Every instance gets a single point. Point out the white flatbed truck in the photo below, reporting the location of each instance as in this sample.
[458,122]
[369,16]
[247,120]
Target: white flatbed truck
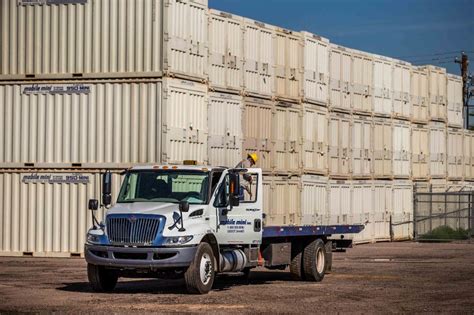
[196,222]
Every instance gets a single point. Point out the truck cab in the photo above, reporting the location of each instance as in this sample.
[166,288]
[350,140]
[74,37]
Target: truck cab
[194,222]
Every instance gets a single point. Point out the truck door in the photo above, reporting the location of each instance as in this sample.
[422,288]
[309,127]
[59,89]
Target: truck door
[240,224]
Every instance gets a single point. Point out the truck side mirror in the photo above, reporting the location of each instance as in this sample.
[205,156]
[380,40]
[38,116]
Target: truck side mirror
[107,188]
[93,204]
[183,206]
[234,190]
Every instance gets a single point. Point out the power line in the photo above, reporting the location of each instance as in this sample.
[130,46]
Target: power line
[434,59]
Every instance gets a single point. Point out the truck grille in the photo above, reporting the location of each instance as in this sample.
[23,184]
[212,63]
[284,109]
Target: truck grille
[132,230]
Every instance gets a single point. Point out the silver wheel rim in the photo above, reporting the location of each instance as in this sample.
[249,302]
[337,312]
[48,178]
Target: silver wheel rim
[205,268]
[320,261]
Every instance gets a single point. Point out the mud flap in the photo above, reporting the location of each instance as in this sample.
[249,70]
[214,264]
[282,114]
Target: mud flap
[328,247]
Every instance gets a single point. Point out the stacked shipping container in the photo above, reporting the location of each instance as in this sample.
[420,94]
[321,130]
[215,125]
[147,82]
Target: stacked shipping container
[340,133]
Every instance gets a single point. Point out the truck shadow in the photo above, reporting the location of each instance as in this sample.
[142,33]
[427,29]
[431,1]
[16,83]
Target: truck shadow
[164,286]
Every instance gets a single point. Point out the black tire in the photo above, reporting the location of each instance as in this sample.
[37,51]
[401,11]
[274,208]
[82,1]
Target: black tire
[314,261]
[101,279]
[194,282]
[296,265]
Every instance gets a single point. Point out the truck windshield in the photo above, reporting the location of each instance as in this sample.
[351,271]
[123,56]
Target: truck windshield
[165,186]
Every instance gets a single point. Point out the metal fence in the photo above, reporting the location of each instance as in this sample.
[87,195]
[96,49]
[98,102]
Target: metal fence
[435,212]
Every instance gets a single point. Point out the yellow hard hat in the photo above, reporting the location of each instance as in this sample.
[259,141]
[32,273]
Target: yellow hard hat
[254,157]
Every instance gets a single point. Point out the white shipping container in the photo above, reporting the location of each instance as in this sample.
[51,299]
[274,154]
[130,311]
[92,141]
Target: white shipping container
[361,146]
[401,149]
[382,147]
[455,153]
[437,150]
[419,95]
[454,100]
[286,136]
[437,93]
[362,82]
[184,124]
[226,51]
[340,75]
[362,198]
[420,151]
[288,53]
[315,139]
[284,201]
[382,209]
[315,69]
[80,122]
[383,86]
[468,156]
[225,129]
[104,39]
[402,107]
[402,210]
[44,212]
[257,131]
[339,202]
[259,60]
[314,200]
[339,141]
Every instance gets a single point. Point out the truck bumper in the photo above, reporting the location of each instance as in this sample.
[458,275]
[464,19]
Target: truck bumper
[133,257]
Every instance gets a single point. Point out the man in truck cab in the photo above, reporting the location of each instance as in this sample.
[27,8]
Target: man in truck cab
[246,183]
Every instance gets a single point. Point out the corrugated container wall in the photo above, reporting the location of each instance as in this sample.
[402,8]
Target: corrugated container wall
[315,139]
[361,146]
[454,99]
[257,130]
[362,82]
[225,129]
[382,147]
[100,123]
[339,202]
[315,69]
[286,136]
[44,212]
[383,93]
[184,125]
[382,209]
[420,151]
[437,149]
[402,107]
[226,51]
[314,200]
[437,93]
[468,156]
[340,78]
[284,201]
[288,64]
[259,60]
[401,149]
[104,39]
[402,210]
[455,153]
[339,142]
[419,95]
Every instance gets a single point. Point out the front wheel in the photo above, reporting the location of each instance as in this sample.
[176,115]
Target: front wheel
[101,279]
[199,276]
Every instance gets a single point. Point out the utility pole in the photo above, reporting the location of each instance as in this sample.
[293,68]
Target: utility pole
[464,63]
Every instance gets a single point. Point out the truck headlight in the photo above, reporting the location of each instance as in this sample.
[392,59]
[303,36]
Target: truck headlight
[94,236]
[178,240]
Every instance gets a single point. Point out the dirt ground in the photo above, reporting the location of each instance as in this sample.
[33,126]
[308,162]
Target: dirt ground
[384,277]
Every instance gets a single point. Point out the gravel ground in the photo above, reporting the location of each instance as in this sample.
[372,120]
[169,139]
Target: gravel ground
[374,278]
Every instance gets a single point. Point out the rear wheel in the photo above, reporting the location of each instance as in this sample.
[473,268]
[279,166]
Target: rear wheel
[101,279]
[314,260]
[296,265]
[199,276]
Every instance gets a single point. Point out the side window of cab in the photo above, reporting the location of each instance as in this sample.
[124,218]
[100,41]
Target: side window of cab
[222,197]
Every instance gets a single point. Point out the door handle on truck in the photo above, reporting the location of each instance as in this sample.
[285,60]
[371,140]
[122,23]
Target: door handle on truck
[257,225]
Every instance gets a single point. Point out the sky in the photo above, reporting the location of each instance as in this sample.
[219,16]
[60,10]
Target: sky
[418,31]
